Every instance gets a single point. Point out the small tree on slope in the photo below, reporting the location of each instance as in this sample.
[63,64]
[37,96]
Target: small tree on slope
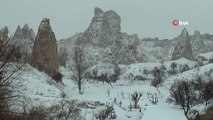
[184,95]
[79,66]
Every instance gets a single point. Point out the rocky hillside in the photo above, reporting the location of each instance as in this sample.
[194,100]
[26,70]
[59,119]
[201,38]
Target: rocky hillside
[104,40]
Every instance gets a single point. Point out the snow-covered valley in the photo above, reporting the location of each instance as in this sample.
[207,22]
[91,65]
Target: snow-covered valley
[39,89]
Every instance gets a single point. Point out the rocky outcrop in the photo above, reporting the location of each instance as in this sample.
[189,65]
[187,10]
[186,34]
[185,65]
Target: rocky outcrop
[103,29]
[104,32]
[23,39]
[45,51]
[24,33]
[183,47]
[197,43]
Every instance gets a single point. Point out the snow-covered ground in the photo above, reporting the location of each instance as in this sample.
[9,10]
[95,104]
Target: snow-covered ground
[39,88]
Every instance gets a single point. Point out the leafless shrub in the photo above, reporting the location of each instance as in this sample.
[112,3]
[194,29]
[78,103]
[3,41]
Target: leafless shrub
[106,113]
[153,98]
[207,91]
[184,68]
[145,72]
[173,68]
[57,77]
[64,111]
[158,77]
[135,98]
[184,95]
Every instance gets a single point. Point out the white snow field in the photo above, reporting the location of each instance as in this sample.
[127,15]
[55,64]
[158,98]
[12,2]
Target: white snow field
[40,89]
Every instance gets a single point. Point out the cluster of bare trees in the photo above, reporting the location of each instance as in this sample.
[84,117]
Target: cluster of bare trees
[187,93]
[107,113]
[80,66]
[184,95]
[10,70]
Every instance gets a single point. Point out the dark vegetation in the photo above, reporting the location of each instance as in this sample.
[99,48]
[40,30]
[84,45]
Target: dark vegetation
[188,93]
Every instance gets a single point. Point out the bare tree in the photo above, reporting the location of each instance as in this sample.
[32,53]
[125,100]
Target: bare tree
[158,75]
[79,67]
[184,95]
[10,70]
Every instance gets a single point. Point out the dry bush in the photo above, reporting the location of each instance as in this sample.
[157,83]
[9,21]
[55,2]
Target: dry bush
[153,98]
[207,91]
[65,110]
[184,95]
[107,113]
[57,77]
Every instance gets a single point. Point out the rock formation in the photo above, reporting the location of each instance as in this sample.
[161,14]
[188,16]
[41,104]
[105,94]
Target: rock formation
[45,52]
[183,47]
[23,39]
[104,31]
[104,28]
[24,33]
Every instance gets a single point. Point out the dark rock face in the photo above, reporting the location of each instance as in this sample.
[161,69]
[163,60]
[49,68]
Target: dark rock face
[183,47]
[45,51]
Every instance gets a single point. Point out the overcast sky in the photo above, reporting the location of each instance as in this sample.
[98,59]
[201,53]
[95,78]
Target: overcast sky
[147,18]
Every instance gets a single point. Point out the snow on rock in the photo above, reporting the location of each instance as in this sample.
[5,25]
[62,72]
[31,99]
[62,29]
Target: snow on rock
[184,46]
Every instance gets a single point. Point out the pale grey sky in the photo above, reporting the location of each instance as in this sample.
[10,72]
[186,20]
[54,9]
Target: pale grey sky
[147,18]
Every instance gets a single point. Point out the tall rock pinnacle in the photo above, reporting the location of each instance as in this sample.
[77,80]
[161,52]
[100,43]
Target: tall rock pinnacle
[45,51]
[183,47]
